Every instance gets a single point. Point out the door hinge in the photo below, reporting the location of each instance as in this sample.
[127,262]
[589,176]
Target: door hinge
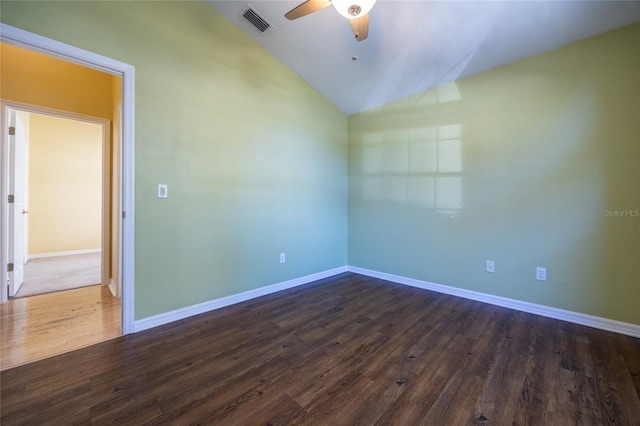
[11,198]
[9,267]
[12,131]
[124,215]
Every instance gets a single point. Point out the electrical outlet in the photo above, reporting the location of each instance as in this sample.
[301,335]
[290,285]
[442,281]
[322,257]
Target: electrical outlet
[283,257]
[491,266]
[541,274]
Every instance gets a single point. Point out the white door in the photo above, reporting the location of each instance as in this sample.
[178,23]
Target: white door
[17,209]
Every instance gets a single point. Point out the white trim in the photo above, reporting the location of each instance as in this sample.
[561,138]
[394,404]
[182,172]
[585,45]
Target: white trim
[59,113]
[127,194]
[62,253]
[532,308]
[25,39]
[38,43]
[4,208]
[105,207]
[114,288]
[178,314]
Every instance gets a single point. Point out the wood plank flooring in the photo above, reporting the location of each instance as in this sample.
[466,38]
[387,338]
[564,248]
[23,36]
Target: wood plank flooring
[349,350]
[38,327]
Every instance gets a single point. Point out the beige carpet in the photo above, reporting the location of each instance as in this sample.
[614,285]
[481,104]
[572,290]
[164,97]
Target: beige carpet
[50,274]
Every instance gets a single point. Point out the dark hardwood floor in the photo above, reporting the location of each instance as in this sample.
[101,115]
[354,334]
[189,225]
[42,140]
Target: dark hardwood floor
[349,350]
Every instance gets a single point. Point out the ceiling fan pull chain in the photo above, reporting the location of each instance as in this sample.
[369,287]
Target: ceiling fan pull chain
[355,50]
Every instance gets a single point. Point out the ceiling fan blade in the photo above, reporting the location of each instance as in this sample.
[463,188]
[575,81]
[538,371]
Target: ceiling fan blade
[360,27]
[306,8]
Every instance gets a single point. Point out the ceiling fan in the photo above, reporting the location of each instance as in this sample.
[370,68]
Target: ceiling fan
[357,11]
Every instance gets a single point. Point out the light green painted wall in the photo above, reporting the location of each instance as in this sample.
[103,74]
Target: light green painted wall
[255,159]
[519,165]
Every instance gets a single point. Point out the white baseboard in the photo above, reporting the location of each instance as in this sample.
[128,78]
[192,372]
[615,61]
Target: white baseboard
[178,314]
[62,253]
[113,288]
[532,308]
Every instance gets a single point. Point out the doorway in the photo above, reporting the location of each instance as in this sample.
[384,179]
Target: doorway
[58,171]
[59,220]
[123,173]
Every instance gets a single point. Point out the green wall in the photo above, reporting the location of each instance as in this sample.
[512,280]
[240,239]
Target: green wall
[528,165]
[255,159]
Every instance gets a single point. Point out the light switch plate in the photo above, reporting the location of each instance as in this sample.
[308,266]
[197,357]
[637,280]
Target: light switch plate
[162,191]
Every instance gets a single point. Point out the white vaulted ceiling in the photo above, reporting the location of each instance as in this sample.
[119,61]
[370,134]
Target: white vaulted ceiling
[416,45]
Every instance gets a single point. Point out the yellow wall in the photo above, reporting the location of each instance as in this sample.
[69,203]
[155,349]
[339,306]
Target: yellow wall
[38,79]
[65,185]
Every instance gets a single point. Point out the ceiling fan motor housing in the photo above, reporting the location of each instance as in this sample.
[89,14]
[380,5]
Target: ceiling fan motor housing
[357,11]
[354,10]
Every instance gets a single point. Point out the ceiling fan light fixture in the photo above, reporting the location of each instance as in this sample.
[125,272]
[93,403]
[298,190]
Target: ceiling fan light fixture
[353,8]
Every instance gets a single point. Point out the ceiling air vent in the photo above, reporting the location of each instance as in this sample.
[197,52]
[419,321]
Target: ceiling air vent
[258,21]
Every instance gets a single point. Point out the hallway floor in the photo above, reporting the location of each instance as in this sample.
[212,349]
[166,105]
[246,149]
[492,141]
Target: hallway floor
[37,327]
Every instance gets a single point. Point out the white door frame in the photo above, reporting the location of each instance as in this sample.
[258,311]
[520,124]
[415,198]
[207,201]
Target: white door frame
[27,40]
[105,220]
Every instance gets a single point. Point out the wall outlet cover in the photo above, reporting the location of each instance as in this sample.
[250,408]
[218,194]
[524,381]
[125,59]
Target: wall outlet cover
[541,274]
